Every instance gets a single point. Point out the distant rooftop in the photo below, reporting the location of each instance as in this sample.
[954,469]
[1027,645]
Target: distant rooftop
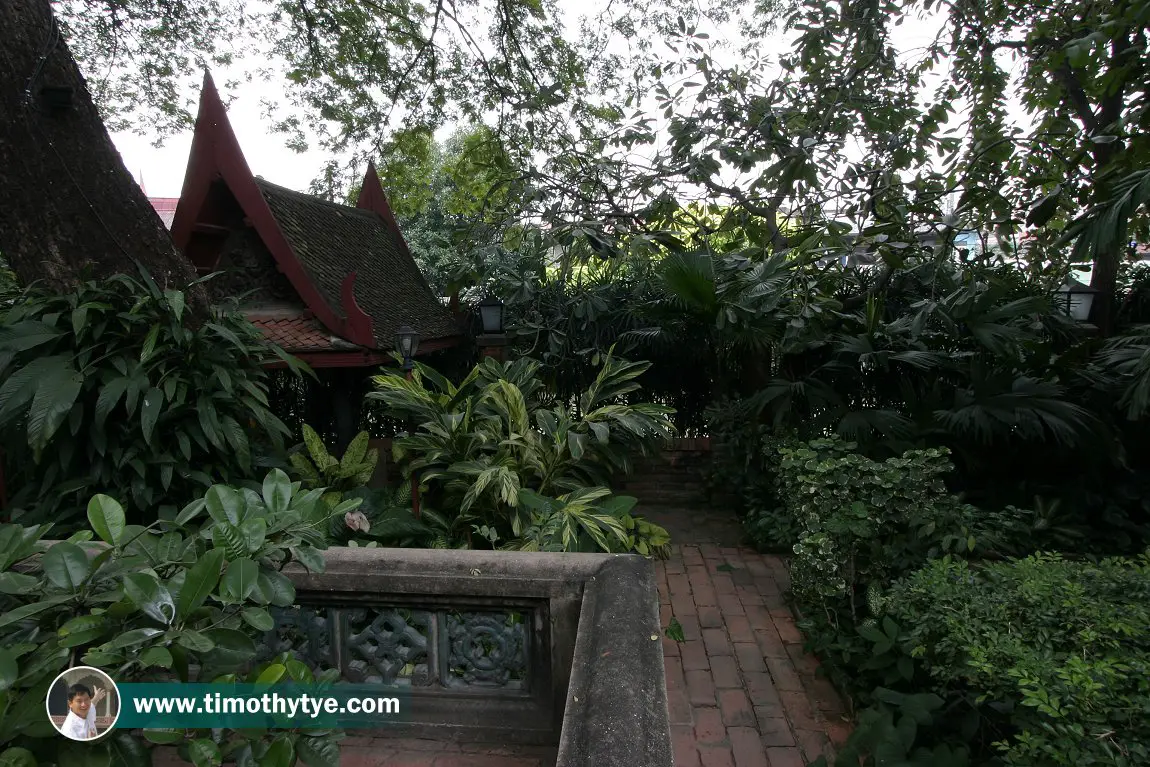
[166,207]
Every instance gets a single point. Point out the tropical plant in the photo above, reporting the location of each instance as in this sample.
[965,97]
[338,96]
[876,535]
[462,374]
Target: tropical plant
[588,519]
[112,387]
[476,445]
[181,599]
[319,468]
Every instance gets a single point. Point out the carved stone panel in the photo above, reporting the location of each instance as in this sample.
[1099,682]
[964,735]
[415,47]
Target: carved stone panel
[387,646]
[486,649]
[304,631]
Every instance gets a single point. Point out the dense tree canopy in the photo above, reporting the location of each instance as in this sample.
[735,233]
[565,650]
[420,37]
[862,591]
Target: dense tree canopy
[1023,120]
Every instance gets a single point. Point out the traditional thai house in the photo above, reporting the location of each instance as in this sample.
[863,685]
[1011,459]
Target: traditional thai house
[329,283]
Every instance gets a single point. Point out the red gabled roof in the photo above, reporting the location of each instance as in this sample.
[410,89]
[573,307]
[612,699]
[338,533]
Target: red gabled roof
[335,257]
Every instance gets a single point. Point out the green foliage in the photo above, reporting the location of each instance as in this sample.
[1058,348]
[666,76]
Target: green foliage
[1043,660]
[476,445]
[317,468]
[181,595]
[588,520]
[114,388]
[866,522]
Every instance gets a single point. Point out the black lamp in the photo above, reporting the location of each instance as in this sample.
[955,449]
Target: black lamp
[491,315]
[1077,298]
[407,344]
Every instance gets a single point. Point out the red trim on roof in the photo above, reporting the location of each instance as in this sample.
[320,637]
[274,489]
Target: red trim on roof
[358,321]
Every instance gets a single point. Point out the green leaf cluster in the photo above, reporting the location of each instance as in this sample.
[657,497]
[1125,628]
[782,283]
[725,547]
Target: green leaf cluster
[183,599]
[477,446]
[115,388]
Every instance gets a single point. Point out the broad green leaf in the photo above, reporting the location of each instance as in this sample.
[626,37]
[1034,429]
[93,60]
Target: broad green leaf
[56,392]
[164,737]
[254,531]
[200,581]
[233,648]
[258,618]
[27,611]
[22,336]
[128,751]
[106,516]
[133,637]
[191,511]
[205,753]
[17,583]
[83,629]
[9,670]
[156,656]
[110,394]
[228,537]
[175,299]
[225,504]
[272,674]
[149,345]
[275,588]
[280,754]
[317,752]
[310,557]
[17,757]
[150,596]
[66,565]
[195,641]
[150,412]
[277,491]
[239,580]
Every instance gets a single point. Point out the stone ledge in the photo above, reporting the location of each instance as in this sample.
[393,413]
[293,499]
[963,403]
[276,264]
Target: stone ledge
[616,713]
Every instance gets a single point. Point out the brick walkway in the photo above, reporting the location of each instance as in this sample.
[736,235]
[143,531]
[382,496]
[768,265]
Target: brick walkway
[741,691]
[398,752]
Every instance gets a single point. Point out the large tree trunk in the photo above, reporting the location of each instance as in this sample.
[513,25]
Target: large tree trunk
[68,207]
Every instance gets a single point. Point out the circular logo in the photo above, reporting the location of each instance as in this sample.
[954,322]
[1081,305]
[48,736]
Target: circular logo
[83,703]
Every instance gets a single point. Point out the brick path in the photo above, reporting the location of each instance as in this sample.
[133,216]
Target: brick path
[399,752]
[741,691]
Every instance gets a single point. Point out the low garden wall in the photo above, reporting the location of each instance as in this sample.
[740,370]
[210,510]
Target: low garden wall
[500,647]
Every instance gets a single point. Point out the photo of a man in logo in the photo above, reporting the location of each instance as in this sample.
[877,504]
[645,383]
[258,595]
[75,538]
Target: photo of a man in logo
[83,703]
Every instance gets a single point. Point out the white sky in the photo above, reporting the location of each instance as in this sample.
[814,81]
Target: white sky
[160,170]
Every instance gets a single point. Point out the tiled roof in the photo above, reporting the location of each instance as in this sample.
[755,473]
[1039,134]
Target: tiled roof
[299,334]
[166,207]
[333,240]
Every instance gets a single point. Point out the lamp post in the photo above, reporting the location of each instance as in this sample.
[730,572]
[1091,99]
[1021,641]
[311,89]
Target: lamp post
[1077,299]
[406,345]
[493,340]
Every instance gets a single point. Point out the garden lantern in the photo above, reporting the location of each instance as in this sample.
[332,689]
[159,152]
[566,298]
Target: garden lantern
[1077,299]
[491,315]
[406,344]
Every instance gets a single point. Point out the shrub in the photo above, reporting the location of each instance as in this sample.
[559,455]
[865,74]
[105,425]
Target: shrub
[114,389]
[180,599]
[866,522]
[588,520]
[316,467]
[476,446]
[1048,658]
